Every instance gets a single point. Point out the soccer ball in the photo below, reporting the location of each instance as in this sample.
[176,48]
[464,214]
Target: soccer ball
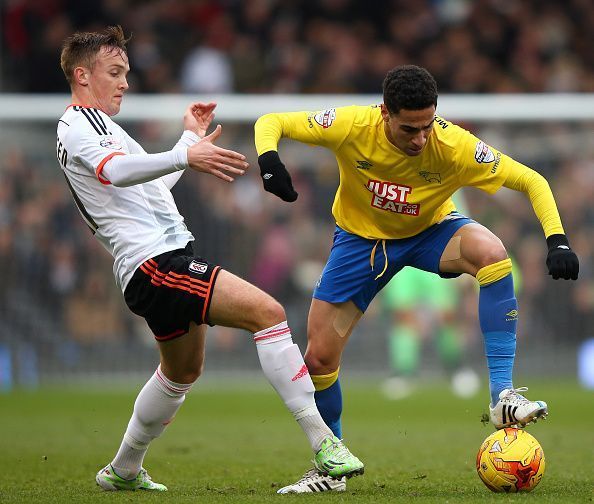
[510,460]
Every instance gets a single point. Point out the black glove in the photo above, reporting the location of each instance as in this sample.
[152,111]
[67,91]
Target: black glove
[561,260]
[275,176]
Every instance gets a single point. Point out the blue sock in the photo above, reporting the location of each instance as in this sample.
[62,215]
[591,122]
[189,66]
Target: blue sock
[498,316]
[329,403]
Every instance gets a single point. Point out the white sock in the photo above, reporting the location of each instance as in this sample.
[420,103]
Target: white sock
[156,405]
[313,425]
[286,371]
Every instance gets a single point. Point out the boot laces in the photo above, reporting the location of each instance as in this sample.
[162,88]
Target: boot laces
[515,396]
[338,450]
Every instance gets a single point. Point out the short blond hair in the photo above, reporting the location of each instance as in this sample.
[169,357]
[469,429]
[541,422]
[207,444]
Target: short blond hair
[82,48]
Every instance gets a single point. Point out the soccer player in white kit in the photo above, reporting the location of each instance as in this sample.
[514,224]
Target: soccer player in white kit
[123,194]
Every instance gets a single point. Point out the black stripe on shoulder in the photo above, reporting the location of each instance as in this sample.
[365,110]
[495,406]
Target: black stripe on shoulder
[85,112]
[60,120]
[100,119]
[94,117]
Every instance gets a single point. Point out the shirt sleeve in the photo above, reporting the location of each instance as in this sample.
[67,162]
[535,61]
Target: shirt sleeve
[124,171]
[187,139]
[91,150]
[478,164]
[327,128]
[534,185]
[142,167]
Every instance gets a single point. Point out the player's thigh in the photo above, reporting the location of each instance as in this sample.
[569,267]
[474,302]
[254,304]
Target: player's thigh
[356,271]
[329,327]
[182,358]
[237,303]
[472,247]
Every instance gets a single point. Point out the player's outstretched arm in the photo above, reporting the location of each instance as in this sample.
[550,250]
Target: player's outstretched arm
[275,176]
[206,157]
[562,262]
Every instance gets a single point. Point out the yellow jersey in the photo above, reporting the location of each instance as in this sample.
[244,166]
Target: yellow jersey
[384,193]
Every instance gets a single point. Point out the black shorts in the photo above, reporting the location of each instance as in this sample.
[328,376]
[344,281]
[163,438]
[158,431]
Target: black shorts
[171,290]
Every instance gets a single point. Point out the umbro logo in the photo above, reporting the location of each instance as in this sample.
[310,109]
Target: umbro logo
[364,165]
[267,176]
[511,315]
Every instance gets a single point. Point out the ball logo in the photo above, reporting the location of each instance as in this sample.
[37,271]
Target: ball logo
[111,143]
[325,118]
[198,267]
[483,153]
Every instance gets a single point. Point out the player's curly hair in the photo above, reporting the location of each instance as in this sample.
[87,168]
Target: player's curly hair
[82,48]
[409,87]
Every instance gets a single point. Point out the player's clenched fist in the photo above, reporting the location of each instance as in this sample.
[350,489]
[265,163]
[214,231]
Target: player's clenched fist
[275,176]
[207,157]
[561,260]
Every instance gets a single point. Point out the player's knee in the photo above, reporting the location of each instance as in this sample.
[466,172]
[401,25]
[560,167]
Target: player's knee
[194,373]
[320,362]
[491,255]
[188,372]
[269,313]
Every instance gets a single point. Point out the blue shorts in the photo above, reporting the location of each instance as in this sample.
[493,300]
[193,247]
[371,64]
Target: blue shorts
[349,274]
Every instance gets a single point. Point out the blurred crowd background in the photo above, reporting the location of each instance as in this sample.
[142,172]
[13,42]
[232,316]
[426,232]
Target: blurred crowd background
[298,46]
[60,311]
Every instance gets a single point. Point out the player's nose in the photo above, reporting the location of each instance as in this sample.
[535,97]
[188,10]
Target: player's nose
[419,140]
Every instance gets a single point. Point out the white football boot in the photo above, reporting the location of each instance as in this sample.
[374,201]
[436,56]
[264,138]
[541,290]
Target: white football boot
[314,481]
[513,409]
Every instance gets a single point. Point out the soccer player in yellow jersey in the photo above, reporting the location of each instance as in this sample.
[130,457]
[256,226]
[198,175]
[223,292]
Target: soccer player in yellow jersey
[399,165]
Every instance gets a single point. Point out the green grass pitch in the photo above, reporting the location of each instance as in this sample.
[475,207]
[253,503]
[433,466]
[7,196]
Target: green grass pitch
[233,447]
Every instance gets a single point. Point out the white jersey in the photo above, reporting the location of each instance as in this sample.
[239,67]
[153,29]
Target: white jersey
[133,223]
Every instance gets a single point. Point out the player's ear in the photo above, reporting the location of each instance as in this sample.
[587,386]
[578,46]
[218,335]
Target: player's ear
[385,113]
[81,76]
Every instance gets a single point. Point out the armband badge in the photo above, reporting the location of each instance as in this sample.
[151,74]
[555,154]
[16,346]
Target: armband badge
[110,142]
[483,153]
[325,118]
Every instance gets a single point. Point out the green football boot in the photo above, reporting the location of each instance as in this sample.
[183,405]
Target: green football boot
[108,480]
[335,459]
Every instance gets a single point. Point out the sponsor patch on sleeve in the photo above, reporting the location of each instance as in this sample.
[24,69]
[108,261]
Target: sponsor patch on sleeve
[325,118]
[110,142]
[483,153]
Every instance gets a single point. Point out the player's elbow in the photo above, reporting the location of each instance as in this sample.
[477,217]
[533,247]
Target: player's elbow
[262,120]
